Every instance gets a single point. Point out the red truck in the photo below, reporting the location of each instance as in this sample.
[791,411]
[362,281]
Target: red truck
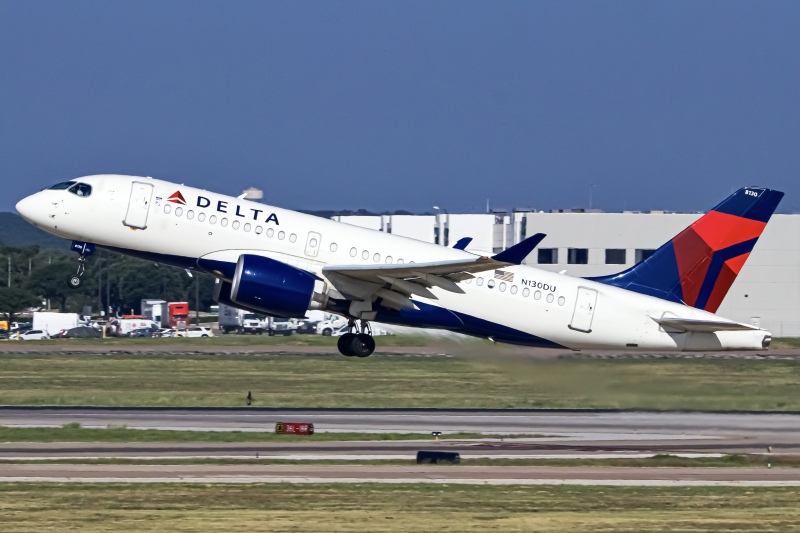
[178,315]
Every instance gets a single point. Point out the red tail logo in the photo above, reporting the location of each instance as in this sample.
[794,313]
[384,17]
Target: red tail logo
[177,198]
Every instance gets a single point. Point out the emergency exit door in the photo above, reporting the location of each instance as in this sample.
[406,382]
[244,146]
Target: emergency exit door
[584,310]
[138,205]
[312,243]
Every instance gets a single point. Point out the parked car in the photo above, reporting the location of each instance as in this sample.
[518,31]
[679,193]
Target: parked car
[144,332]
[327,327]
[34,335]
[195,331]
[281,326]
[81,332]
[165,332]
[3,334]
[306,327]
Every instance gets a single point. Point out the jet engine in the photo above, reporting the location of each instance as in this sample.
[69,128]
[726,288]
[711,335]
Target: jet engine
[268,286]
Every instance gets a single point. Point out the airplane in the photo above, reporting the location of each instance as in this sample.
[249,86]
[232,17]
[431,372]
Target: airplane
[282,263]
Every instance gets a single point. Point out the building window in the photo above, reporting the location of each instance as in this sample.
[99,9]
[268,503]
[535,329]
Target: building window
[548,256]
[643,253]
[577,256]
[615,256]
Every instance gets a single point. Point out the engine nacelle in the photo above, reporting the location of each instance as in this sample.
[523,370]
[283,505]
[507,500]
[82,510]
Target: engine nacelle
[272,287]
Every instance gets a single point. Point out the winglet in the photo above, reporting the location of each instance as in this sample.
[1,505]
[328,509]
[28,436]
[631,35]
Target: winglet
[517,253]
[462,243]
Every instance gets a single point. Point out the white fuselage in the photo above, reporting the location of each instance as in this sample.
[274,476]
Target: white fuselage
[211,226]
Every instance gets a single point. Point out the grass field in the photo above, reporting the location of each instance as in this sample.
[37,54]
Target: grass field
[59,507]
[484,379]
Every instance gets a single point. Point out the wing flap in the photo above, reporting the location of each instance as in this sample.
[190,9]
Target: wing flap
[704,326]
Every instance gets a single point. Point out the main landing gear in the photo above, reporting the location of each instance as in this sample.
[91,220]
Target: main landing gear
[76,279]
[357,341]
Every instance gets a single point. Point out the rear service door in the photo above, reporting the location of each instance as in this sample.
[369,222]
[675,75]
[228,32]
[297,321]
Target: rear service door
[139,205]
[584,310]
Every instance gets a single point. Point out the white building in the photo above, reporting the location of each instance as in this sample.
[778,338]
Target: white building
[766,292]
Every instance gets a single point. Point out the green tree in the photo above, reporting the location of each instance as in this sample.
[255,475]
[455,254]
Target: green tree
[49,280]
[14,300]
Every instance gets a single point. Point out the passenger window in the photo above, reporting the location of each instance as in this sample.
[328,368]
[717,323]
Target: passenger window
[247,227]
[365,254]
[235,224]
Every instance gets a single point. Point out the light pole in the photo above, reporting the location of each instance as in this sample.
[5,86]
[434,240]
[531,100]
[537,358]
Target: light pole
[442,233]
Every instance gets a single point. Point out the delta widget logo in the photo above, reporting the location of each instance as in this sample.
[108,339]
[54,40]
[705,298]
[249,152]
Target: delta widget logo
[177,198]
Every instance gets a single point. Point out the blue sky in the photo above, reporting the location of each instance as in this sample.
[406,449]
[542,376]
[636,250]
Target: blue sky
[406,105]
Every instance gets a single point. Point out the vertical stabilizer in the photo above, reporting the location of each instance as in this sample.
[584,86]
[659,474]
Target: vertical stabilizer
[699,265]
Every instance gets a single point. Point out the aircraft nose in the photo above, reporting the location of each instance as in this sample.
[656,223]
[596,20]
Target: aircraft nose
[27,208]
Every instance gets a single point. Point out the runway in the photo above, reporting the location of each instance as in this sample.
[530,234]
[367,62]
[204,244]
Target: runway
[469,475]
[552,433]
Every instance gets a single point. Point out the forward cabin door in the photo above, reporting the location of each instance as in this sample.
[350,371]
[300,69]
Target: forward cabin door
[139,205]
[584,310]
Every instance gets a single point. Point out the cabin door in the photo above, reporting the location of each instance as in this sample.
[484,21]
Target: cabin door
[138,205]
[584,310]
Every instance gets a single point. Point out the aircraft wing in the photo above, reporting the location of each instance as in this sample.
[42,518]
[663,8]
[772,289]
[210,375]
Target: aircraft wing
[706,326]
[395,284]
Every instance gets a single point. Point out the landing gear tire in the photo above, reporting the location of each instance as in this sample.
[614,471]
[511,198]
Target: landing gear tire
[362,345]
[75,280]
[344,343]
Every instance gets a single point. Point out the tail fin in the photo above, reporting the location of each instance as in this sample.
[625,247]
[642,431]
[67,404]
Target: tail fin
[699,265]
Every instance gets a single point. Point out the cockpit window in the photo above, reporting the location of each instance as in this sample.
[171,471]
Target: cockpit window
[81,189]
[62,185]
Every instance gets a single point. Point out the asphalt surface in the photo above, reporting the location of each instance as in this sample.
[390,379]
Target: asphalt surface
[486,475]
[555,432]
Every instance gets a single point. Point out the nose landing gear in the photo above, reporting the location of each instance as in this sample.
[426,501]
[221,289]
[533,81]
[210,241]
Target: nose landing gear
[357,341]
[76,279]
[84,249]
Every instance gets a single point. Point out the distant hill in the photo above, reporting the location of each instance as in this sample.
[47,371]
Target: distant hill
[16,232]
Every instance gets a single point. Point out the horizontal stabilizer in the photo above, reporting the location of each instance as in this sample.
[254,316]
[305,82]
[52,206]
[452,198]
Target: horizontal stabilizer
[704,326]
[517,253]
